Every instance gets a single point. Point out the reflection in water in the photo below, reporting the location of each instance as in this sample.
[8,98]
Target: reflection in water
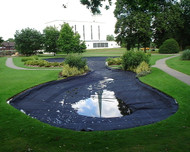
[103,104]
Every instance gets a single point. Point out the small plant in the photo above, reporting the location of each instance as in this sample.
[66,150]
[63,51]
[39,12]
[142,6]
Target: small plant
[186,55]
[131,59]
[114,61]
[29,58]
[169,46]
[143,69]
[75,61]
[43,63]
[72,71]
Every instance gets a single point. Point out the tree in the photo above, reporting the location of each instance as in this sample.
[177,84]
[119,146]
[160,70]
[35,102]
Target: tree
[1,40]
[151,5]
[168,19]
[79,46]
[133,24]
[185,32]
[68,42]
[51,35]
[124,29]
[94,5]
[28,41]
[10,40]
[169,46]
[110,38]
[167,23]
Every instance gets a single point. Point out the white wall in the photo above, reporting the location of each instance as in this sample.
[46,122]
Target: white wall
[93,33]
[92,30]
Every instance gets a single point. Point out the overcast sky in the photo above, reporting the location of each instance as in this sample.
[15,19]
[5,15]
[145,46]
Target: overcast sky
[20,14]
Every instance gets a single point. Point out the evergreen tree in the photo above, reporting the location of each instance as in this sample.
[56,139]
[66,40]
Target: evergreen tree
[68,42]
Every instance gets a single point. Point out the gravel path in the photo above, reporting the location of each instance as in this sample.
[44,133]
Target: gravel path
[54,102]
[161,64]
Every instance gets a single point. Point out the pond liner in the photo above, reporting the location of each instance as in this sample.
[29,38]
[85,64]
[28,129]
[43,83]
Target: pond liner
[42,102]
[27,92]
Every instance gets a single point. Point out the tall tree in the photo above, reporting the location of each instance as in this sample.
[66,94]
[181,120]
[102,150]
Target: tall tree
[28,41]
[167,23]
[94,5]
[51,35]
[68,42]
[133,23]
[185,32]
[78,46]
[1,40]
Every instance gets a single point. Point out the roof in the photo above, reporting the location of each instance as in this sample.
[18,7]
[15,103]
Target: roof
[8,44]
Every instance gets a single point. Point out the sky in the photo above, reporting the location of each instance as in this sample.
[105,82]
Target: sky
[20,14]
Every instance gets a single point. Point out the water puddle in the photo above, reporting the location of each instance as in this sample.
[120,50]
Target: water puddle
[103,104]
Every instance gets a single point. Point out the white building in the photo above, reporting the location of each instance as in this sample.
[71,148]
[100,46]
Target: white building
[92,32]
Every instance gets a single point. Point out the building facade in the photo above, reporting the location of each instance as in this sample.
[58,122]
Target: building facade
[92,32]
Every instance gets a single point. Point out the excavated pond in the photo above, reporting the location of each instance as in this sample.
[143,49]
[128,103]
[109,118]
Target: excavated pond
[101,100]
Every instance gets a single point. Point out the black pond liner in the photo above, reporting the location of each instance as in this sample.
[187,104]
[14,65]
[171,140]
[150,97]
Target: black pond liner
[52,102]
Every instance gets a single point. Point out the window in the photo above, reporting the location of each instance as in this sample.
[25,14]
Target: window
[98,45]
[91,33]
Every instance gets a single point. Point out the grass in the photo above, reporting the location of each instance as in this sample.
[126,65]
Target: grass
[20,133]
[105,52]
[116,66]
[154,58]
[94,52]
[179,65]
[98,52]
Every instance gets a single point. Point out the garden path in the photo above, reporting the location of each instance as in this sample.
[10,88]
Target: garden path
[10,64]
[161,64]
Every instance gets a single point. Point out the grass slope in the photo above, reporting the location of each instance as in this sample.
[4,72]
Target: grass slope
[20,133]
[179,65]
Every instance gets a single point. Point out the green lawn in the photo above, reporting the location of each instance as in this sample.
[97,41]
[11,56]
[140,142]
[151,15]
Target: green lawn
[154,58]
[94,52]
[179,65]
[105,52]
[20,133]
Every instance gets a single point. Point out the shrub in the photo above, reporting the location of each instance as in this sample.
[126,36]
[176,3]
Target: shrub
[29,58]
[187,48]
[75,61]
[72,71]
[55,64]
[114,61]
[131,59]
[169,46]
[47,64]
[143,69]
[186,55]
[43,63]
